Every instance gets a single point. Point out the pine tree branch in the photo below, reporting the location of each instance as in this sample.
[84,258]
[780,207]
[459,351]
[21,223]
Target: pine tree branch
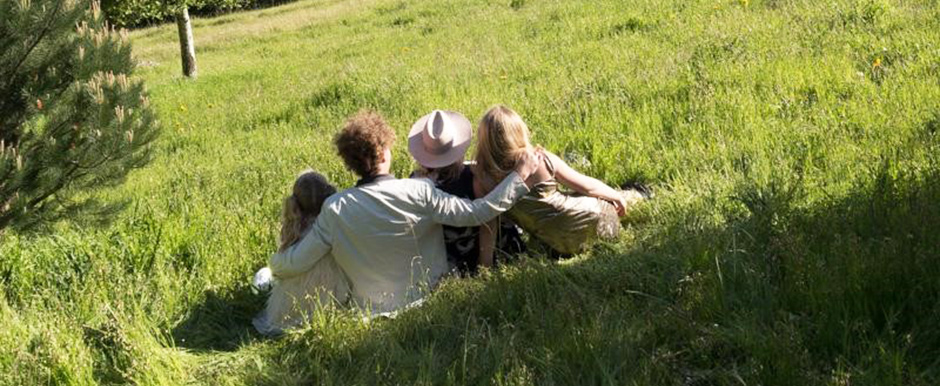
[5,219]
[71,175]
[63,152]
[55,188]
[39,38]
[5,178]
[6,213]
[99,164]
[10,75]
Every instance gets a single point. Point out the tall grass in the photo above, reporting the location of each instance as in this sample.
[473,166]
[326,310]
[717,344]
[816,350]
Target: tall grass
[793,146]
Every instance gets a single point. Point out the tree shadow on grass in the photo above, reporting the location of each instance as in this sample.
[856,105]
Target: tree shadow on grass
[781,292]
[222,322]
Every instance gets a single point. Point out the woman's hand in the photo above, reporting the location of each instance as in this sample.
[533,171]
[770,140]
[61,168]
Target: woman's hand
[621,205]
[528,164]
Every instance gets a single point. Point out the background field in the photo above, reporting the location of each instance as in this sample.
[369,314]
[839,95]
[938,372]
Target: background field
[792,145]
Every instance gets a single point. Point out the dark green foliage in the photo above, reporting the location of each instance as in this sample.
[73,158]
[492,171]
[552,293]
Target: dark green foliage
[133,13]
[71,119]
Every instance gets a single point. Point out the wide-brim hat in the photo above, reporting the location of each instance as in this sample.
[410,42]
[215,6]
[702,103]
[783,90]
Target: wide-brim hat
[440,138]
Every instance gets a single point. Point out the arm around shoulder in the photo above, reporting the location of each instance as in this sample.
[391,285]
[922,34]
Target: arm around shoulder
[454,211]
[302,256]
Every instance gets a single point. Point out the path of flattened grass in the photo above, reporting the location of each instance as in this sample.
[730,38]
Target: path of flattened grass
[792,144]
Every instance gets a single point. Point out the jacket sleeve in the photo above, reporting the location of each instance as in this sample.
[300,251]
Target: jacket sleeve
[301,256]
[455,211]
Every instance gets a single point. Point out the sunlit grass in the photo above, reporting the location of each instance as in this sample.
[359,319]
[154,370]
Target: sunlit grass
[792,145]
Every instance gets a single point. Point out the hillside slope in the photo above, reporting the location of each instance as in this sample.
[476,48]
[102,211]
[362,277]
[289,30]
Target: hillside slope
[792,144]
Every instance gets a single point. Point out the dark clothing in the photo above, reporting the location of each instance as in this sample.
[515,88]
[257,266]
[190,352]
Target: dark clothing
[463,245]
[462,186]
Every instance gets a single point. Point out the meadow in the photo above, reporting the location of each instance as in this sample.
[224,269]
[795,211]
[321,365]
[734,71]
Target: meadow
[792,145]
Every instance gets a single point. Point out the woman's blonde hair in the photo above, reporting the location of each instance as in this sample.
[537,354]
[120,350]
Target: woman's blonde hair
[502,139]
[302,207]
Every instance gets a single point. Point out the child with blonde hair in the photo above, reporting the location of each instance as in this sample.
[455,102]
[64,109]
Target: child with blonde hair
[293,298]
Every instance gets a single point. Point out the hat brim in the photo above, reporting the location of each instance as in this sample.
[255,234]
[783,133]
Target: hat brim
[462,131]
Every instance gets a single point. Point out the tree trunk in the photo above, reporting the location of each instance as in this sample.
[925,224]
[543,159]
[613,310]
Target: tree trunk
[187,45]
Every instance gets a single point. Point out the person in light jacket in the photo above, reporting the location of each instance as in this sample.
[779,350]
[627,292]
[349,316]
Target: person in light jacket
[385,233]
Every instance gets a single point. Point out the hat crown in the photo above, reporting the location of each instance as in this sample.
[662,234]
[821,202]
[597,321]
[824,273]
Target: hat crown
[437,136]
[439,139]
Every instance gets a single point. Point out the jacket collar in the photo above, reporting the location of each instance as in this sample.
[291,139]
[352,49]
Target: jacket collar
[374,179]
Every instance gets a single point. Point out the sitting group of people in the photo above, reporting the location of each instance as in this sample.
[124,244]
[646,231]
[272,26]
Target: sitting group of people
[385,243]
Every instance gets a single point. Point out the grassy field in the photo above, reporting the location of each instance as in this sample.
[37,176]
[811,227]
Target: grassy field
[794,240]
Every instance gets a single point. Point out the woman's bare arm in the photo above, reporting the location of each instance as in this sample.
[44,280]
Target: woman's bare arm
[487,236]
[487,240]
[585,185]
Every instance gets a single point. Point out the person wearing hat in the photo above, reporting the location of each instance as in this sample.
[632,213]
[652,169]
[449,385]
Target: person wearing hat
[385,233]
[438,142]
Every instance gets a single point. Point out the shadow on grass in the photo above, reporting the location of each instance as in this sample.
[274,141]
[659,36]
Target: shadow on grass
[222,322]
[780,292]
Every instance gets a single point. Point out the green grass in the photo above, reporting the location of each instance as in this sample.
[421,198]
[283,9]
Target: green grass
[793,146]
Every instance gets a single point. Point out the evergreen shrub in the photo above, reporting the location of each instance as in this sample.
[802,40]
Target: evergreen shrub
[72,119]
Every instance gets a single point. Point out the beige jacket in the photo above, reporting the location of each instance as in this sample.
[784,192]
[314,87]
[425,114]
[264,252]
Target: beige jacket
[387,236]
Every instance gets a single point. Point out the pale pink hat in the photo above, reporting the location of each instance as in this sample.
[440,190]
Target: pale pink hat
[440,138]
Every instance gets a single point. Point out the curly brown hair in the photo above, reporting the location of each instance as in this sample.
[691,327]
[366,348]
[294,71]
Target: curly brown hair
[362,140]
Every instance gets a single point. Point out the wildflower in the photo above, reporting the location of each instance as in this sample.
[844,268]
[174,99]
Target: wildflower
[39,104]
[876,64]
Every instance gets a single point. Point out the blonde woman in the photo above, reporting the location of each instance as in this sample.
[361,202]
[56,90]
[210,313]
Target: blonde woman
[293,298]
[566,222]
[438,142]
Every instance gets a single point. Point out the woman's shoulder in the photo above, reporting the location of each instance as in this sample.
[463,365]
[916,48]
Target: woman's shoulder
[480,181]
[548,155]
